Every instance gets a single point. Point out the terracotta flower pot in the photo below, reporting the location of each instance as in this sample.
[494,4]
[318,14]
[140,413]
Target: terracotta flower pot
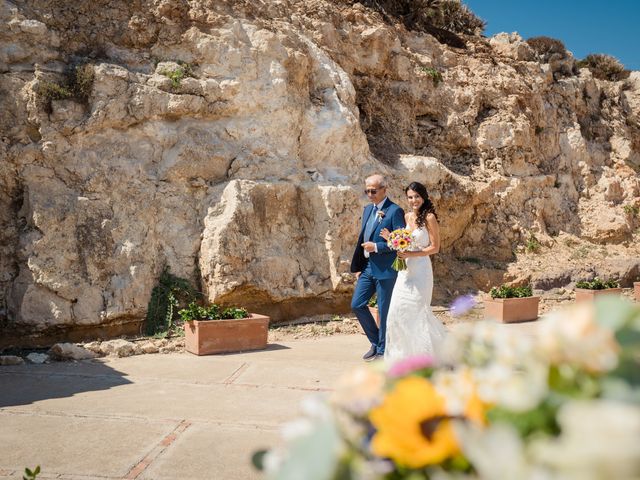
[205,337]
[509,310]
[636,290]
[376,315]
[586,295]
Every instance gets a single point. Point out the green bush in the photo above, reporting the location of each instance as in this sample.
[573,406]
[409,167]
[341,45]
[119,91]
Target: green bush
[212,312]
[547,48]
[597,284]
[604,67]
[166,297]
[511,292]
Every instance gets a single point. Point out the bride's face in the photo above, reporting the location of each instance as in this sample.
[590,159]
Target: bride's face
[414,199]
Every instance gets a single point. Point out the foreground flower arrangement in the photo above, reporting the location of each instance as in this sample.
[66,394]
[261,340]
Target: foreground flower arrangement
[497,404]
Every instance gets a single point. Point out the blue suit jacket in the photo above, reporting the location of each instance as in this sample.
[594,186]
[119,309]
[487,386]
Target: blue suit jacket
[380,262]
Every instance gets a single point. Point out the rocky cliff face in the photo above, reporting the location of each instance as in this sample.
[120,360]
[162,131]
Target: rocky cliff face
[230,141]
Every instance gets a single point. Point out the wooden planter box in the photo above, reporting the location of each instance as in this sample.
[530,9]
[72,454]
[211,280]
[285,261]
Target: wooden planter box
[376,315]
[636,290]
[586,295]
[205,337]
[509,310]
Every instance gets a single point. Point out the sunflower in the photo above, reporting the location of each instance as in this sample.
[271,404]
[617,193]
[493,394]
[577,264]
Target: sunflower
[402,243]
[413,427]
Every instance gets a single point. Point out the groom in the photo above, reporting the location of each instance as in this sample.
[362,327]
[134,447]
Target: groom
[372,261]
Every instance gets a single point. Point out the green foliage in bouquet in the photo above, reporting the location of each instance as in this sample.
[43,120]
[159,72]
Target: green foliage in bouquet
[212,312]
[170,292]
[597,284]
[494,405]
[505,291]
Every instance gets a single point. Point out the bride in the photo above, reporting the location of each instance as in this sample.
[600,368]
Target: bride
[412,328]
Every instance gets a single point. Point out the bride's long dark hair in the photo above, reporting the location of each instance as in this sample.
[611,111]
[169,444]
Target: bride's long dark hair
[427,207]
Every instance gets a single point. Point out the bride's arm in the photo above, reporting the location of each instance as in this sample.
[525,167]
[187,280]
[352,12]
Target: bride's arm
[434,236]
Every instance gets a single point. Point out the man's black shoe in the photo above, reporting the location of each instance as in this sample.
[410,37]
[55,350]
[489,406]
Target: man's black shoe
[370,354]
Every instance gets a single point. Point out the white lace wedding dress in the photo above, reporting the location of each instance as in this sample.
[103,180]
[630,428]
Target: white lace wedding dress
[412,328]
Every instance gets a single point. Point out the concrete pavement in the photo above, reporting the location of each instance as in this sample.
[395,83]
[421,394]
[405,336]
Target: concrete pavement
[175,416]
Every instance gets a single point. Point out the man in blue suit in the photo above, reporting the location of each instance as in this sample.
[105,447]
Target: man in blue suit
[372,261]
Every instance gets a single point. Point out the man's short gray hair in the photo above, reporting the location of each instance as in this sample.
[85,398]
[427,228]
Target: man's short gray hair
[377,178]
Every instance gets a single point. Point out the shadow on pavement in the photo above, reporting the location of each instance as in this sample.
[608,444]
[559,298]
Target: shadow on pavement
[25,384]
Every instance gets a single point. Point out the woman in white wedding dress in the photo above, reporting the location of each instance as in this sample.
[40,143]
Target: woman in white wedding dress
[412,328]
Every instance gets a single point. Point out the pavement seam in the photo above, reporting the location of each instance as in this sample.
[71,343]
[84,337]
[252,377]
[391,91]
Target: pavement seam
[146,462]
[51,413]
[238,371]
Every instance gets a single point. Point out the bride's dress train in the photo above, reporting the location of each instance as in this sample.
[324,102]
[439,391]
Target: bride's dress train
[412,328]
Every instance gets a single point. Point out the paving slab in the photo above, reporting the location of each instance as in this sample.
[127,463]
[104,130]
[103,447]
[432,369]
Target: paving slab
[68,444]
[205,452]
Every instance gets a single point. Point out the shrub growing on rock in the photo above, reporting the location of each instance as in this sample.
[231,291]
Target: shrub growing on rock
[604,67]
[444,19]
[547,48]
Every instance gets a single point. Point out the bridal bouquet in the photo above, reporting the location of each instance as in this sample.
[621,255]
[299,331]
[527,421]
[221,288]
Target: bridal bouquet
[561,404]
[400,241]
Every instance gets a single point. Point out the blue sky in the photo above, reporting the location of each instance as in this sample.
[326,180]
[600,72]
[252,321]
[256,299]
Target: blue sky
[585,26]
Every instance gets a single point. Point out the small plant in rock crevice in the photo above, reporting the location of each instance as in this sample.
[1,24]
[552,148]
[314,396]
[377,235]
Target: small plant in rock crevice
[532,245]
[178,74]
[432,72]
[76,84]
[632,210]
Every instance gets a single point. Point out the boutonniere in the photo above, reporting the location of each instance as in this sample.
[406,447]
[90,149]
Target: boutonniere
[380,215]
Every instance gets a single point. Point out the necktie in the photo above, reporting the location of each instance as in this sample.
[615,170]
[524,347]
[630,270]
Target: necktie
[371,224]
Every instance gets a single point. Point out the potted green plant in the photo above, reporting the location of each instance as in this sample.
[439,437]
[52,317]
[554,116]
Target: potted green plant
[213,329]
[511,304]
[588,290]
[373,308]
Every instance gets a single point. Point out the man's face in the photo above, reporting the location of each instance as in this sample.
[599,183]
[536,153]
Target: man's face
[375,193]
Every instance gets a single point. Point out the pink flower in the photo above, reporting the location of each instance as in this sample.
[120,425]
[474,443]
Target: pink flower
[410,364]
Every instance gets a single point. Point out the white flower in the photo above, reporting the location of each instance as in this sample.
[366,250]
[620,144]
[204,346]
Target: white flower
[497,453]
[600,440]
[456,387]
[359,390]
[573,336]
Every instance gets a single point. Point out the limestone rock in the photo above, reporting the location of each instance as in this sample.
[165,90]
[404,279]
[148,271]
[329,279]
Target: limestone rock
[118,348]
[38,358]
[11,360]
[70,351]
